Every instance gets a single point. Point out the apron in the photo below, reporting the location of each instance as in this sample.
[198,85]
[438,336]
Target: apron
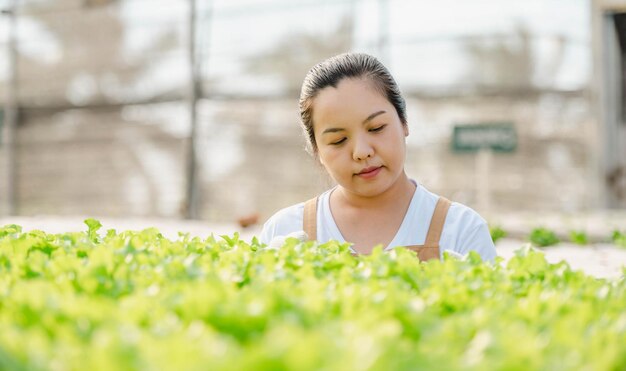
[430,248]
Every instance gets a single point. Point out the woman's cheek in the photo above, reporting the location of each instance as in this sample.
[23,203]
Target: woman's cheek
[335,155]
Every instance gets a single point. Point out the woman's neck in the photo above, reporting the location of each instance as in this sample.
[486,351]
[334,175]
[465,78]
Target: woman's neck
[400,193]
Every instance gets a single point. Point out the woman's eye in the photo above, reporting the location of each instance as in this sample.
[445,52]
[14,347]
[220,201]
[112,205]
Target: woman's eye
[338,142]
[378,128]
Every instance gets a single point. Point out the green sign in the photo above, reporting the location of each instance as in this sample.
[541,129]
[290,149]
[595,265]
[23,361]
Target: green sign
[499,137]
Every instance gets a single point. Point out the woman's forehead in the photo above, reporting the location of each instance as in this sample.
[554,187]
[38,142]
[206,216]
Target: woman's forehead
[351,97]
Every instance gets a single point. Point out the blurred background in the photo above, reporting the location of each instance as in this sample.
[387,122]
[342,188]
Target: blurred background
[189,109]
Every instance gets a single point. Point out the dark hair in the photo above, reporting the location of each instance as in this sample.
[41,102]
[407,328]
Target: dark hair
[349,65]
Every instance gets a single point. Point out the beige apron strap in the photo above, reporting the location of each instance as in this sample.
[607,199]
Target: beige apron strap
[425,252]
[309,222]
[430,249]
[437,221]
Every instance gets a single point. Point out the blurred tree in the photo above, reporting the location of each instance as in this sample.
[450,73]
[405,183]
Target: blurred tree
[501,62]
[295,54]
[94,67]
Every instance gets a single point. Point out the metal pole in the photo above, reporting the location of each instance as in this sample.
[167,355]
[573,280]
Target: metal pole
[10,116]
[596,184]
[483,183]
[192,167]
[192,173]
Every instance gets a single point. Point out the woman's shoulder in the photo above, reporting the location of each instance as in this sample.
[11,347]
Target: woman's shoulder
[465,230]
[287,213]
[283,222]
[287,220]
[458,213]
[465,215]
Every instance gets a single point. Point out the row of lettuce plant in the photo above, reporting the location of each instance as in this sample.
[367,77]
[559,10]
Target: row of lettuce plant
[543,237]
[108,300]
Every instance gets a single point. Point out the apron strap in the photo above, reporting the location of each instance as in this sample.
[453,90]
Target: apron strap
[437,221]
[425,253]
[430,249]
[309,222]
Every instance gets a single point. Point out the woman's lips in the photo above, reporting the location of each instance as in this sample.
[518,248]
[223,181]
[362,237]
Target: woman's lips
[370,172]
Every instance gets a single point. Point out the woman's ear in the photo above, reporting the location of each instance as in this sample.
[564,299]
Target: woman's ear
[406,130]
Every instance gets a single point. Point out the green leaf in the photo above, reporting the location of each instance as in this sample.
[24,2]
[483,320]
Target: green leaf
[619,238]
[543,237]
[93,226]
[10,229]
[497,233]
[579,237]
[232,242]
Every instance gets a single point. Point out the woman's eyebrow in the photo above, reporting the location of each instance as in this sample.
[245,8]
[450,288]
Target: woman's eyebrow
[332,130]
[369,118]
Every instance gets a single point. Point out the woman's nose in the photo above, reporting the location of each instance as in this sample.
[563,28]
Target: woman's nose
[362,149]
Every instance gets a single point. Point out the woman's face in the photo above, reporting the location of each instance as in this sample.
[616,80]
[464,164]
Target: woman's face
[359,136]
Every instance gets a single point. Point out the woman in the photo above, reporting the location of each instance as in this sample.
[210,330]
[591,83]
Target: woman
[354,117]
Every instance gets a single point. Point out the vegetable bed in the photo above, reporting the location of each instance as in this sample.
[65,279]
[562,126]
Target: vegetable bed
[111,300]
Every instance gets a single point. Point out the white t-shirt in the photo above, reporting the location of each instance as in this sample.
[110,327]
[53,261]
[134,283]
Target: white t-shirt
[463,230]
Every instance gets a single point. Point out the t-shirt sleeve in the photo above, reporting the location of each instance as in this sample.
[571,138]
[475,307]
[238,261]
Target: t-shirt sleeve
[465,230]
[284,222]
[478,239]
[268,231]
